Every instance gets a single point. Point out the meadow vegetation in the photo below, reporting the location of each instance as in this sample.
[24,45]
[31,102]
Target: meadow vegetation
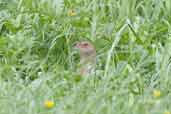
[38,63]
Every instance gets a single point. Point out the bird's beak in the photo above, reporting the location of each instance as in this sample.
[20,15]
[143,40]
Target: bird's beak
[76,45]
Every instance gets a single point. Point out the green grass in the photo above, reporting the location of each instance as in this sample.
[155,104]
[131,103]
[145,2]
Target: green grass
[38,62]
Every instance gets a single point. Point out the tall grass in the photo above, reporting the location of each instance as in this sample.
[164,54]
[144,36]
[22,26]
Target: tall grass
[38,63]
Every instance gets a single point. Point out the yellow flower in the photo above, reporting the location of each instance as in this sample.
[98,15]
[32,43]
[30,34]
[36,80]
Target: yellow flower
[166,112]
[49,104]
[71,13]
[156,93]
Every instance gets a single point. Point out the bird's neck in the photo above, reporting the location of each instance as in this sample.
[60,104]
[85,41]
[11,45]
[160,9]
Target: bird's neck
[88,61]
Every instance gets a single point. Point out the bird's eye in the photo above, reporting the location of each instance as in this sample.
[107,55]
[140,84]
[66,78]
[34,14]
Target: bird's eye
[85,44]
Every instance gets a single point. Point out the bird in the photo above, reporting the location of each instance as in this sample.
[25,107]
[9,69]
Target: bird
[87,54]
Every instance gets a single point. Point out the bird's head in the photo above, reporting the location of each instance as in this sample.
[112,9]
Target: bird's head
[85,48]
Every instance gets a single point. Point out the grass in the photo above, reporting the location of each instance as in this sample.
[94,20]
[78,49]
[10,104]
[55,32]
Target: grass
[38,62]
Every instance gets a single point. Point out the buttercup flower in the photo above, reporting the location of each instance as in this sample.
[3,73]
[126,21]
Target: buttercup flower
[156,93]
[71,13]
[49,104]
[166,112]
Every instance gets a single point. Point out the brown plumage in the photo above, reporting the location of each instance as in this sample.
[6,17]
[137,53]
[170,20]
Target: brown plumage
[87,57]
